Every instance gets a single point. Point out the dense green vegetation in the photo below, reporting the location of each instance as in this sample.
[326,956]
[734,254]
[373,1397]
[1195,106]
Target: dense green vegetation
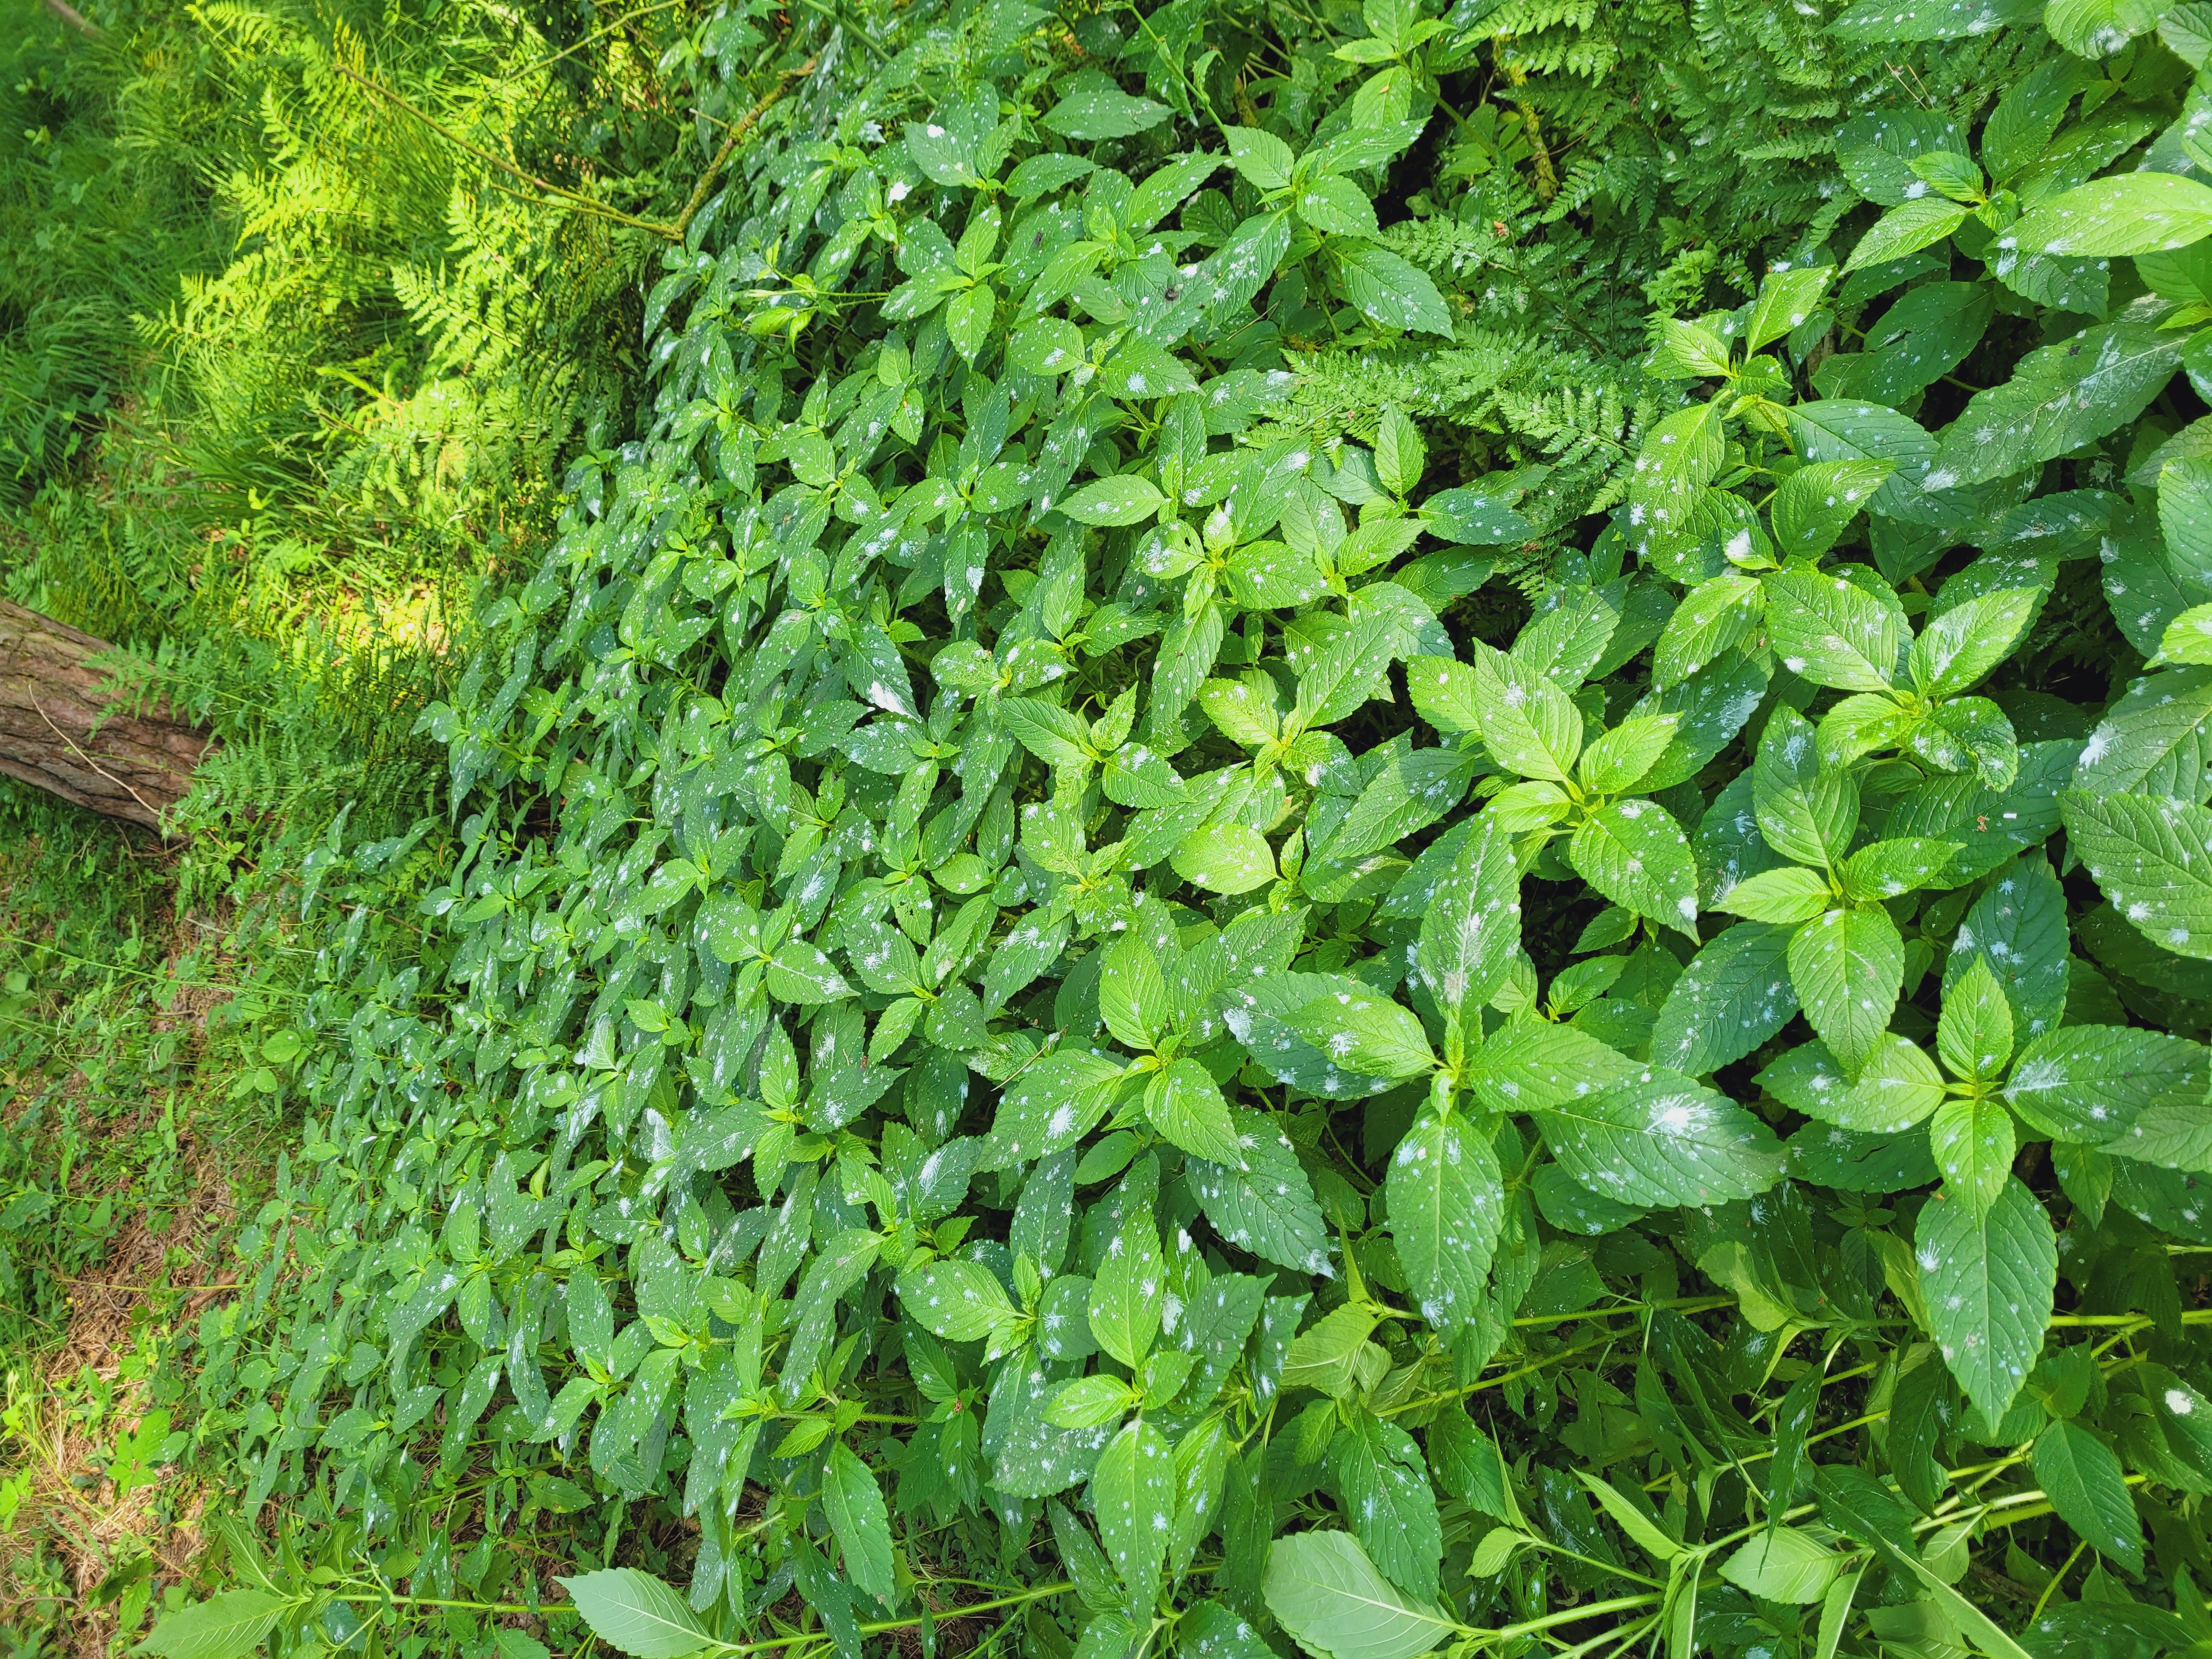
[1220,829]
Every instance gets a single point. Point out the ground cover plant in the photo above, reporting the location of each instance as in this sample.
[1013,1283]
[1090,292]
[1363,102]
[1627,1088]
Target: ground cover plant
[1355,832]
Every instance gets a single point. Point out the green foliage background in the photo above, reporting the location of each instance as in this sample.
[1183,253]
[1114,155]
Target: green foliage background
[1259,829]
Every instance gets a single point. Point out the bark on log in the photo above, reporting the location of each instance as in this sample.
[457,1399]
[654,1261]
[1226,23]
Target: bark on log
[59,734]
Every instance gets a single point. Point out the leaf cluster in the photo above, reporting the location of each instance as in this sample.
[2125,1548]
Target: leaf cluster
[1037,1014]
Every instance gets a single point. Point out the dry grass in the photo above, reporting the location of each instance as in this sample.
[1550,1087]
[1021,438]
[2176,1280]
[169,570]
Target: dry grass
[162,1269]
[72,1513]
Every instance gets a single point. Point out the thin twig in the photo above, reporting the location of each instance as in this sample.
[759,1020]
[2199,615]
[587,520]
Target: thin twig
[596,34]
[76,19]
[883,55]
[744,125]
[674,233]
[96,766]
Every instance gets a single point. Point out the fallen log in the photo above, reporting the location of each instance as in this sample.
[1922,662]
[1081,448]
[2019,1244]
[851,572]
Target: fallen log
[69,727]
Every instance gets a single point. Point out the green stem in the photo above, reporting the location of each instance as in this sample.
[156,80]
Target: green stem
[384,1599]
[574,199]
[850,28]
[1681,1305]
[1572,1615]
[1602,1566]
[2057,1578]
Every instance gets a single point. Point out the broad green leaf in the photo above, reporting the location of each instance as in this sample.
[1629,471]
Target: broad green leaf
[1907,229]
[1051,1106]
[1973,1143]
[1849,430]
[1713,616]
[1265,1205]
[945,156]
[1384,1482]
[1618,760]
[1687,351]
[1389,291]
[1260,156]
[1658,1138]
[1122,499]
[854,1504]
[1046,345]
[2155,740]
[1211,1631]
[1498,1546]
[1165,189]
[957,1300]
[2188,637]
[2173,1133]
[1854,1162]
[1094,107]
[1635,854]
[1930,19]
[2184,519]
[1528,723]
[1471,929]
[1333,204]
[1129,1293]
[2085,1483]
[1832,631]
[227,1626]
[1139,370]
[1917,341]
[1326,1355]
[1709,709]
[1898,1087]
[968,318]
[1447,1208]
[1259,1015]
[2153,859]
[1133,996]
[1804,810]
[1346,672]
[1966,641]
[2091,1084]
[1974,1036]
[1788,896]
[1407,796]
[1786,299]
[1185,1104]
[1365,1033]
[2060,398]
[1134,1491]
[1891,868]
[1734,995]
[1480,516]
[1987,1280]
[1816,504]
[2018,927]
[1630,1520]
[800,974]
[2127,214]
[1443,694]
[1534,1065]
[1971,735]
[1848,967]
[1468,1465]
[1327,1593]
[1089,1401]
[1680,456]
[1784,1564]
[1051,734]
[634,1612]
